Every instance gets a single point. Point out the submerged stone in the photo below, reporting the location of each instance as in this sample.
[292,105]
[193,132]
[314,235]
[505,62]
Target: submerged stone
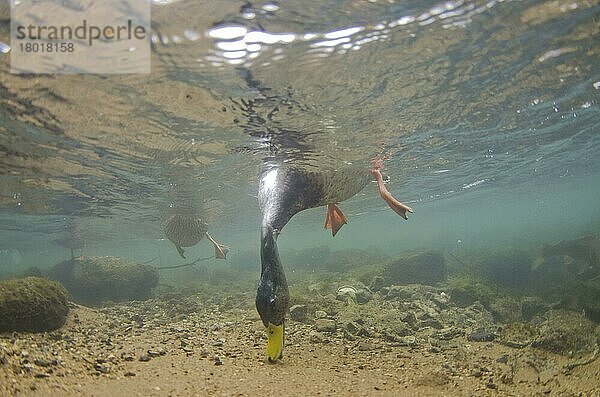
[481,335]
[94,280]
[363,295]
[566,332]
[325,325]
[505,309]
[299,313]
[532,306]
[465,292]
[32,304]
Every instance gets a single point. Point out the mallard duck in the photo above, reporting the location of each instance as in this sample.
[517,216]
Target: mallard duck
[283,192]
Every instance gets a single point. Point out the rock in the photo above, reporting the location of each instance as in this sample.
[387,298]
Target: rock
[503,359]
[320,314]
[449,333]
[567,333]
[407,340]
[425,267]
[32,304]
[40,362]
[363,296]
[532,306]
[153,353]
[481,335]
[144,358]
[465,292]
[365,346]
[218,360]
[505,309]
[377,283]
[432,379]
[102,368]
[408,318]
[353,328]
[346,294]
[299,313]
[399,292]
[325,325]
[93,280]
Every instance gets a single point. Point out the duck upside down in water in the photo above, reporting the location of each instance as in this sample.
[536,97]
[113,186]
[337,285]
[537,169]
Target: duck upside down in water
[283,192]
[185,229]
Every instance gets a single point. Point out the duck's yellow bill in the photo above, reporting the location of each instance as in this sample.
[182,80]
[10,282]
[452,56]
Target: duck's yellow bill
[275,333]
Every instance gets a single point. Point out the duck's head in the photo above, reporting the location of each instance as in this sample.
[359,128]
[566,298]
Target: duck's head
[271,309]
[272,296]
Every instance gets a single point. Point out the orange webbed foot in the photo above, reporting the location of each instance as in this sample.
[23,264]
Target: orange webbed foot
[334,219]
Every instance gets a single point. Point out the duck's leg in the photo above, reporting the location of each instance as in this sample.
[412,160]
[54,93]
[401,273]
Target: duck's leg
[220,249]
[180,251]
[400,208]
[334,219]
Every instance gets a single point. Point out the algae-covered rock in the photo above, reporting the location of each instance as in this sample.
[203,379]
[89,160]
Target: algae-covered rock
[518,335]
[465,291]
[32,304]
[505,309]
[566,332]
[532,306]
[586,297]
[97,279]
[423,267]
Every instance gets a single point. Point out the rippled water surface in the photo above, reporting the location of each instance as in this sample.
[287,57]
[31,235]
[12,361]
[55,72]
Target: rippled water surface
[487,113]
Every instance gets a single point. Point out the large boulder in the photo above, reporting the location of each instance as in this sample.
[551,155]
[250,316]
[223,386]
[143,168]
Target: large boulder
[422,267]
[98,279]
[32,304]
[566,332]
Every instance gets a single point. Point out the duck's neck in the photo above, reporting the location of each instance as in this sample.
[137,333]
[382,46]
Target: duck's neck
[269,255]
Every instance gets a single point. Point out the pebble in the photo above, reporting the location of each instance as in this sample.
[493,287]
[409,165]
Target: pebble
[366,346]
[299,313]
[325,325]
[218,360]
[320,314]
[102,368]
[40,362]
[363,295]
[481,335]
[153,353]
[129,373]
[144,358]
[503,359]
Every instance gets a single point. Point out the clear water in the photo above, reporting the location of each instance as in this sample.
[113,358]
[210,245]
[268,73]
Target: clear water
[488,113]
